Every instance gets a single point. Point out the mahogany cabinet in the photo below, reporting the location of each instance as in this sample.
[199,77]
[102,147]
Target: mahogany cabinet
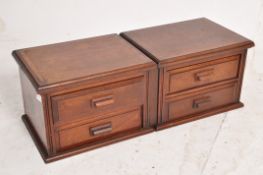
[200,64]
[83,94]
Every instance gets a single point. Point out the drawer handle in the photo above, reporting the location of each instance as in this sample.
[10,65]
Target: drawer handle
[101,129]
[203,75]
[201,102]
[102,101]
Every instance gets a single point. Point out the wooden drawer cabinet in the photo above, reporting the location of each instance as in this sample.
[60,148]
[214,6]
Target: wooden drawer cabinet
[83,94]
[200,65]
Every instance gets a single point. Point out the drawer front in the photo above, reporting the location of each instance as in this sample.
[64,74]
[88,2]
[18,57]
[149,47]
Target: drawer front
[202,74]
[100,129]
[99,101]
[206,100]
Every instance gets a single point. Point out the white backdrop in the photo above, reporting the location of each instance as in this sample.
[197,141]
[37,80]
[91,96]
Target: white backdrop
[229,144]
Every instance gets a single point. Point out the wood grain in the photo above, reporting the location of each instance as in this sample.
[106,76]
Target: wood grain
[191,56]
[54,64]
[75,136]
[185,39]
[84,94]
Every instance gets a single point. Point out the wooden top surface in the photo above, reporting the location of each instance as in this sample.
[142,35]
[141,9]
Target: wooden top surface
[61,62]
[188,38]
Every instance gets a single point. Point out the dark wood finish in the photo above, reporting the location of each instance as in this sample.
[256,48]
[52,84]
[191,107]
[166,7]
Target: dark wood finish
[66,63]
[86,147]
[203,74]
[90,132]
[88,93]
[199,116]
[170,42]
[99,100]
[34,108]
[84,94]
[199,101]
[35,136]
[200,64]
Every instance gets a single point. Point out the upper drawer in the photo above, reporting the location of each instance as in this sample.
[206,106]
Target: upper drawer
[99,100]
[202,74]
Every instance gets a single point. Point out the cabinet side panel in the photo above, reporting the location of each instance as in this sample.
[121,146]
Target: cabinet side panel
[33,107]
[241,72]
[153,96]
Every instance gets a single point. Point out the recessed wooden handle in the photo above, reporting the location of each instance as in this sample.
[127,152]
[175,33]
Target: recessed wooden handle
[197,103]
[101,129]
[102,101]
[203,75]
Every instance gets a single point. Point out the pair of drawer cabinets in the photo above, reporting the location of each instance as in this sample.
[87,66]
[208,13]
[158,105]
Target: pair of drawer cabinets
[83,94]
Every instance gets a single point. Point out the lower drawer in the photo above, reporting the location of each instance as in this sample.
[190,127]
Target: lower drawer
[98,130]
[182,106]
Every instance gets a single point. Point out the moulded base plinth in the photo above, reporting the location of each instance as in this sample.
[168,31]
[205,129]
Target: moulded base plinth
[49,158]
[199,115]
[76,150]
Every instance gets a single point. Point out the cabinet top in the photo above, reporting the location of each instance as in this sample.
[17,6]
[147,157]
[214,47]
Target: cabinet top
[60,63]
[184,39]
